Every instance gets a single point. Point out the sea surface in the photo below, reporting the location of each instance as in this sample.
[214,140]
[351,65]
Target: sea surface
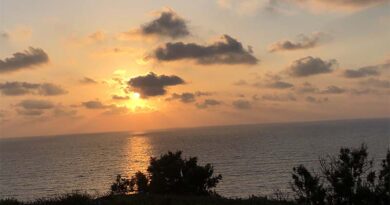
[253,159]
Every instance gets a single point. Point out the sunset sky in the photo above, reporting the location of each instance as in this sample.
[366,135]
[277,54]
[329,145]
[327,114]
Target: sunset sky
[91,66]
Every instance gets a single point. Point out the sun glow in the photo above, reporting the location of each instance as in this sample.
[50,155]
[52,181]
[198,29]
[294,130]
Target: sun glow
[136,95]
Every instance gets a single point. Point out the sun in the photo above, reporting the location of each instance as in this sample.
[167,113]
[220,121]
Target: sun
[136,95]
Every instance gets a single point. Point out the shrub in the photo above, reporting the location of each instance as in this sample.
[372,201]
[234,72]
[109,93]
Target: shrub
[171,174]
[346,180]
[122,186]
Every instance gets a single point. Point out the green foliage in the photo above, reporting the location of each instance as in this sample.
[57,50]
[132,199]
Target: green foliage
[348,179]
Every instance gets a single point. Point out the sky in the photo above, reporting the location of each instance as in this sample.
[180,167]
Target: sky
[99,66]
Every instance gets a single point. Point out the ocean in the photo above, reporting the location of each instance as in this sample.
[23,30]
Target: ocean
[253,159]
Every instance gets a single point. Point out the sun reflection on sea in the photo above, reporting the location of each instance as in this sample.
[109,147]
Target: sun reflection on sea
[139,151]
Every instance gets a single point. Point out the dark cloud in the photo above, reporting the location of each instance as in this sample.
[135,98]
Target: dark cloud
[30,112]
[279,85]
[168,24]
[87,80]
[361,72]
[21,60]
[119,97]
[377,83]
[303,42]
[208,103]
[23,88]
[311,66]
[153,85]
[364,91]
[36,104]
[312,99]
[366,71]
[184,97]
[333,90]
[307,88]
[48,89]
[242,104]
[94,104]
[226,51]
[188,97]
[278,98]
[4,35]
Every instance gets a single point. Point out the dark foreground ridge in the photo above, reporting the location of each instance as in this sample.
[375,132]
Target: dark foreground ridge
[138,199]
[348,179]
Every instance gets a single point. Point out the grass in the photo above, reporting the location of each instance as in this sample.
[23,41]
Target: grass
[83,199]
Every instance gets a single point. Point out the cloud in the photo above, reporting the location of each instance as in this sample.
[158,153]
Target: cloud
[87,80]
[361,72]
[278,98]
[333,90]
[303,42]
[334,5]
[119,97]
[167,24]
[36,104]
[22,60]
[116,110]
[94,104]
[225,51]
[279,85]
[23,88]
[30,112]
[307,88]
[309,66]
[62,111]
[184,97]
[242,104]
[373,70]
[312,99]
[188,97]
[377,83]
[48,89]
[97,36]
[208,103]
[364,91]
[152,85]
[273,81]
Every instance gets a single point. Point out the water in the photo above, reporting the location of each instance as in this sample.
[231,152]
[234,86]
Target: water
[253,159]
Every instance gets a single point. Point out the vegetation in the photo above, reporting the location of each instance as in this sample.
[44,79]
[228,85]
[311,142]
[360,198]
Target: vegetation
[348,179]
[144,199]
[170,174]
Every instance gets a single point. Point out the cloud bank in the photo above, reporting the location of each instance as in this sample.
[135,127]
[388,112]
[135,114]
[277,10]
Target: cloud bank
[152,84]
[22,60]
[309,66]
[225,51]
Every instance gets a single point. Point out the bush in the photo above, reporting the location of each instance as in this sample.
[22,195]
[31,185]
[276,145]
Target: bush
[171,174]
[346,180]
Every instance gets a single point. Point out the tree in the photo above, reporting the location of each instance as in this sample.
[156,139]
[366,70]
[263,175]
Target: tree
[172,174]
[346,180]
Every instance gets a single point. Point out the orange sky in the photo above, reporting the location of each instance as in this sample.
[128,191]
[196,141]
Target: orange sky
[74,67]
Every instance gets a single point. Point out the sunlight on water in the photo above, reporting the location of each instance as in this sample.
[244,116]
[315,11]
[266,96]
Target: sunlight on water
[139,151]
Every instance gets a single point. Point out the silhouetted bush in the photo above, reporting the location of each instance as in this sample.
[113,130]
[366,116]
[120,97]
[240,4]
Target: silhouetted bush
[122,185]
[171,174]
[348,179]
